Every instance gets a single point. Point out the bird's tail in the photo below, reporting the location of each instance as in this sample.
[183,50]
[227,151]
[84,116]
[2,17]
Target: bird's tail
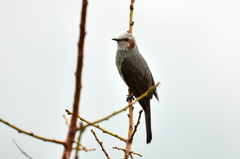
[148,122]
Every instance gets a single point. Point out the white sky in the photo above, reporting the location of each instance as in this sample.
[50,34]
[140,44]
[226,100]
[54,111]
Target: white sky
[192,48]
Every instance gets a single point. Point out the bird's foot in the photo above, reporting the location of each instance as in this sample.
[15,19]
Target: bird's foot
[131,97]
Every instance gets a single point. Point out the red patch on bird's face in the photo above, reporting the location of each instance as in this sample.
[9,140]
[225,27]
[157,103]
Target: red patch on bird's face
[131,44]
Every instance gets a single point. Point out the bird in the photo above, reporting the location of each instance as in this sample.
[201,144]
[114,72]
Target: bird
[135,72]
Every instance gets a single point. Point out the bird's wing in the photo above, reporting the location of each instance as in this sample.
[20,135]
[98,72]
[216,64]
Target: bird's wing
[155,90]
[148,73]
[136,81]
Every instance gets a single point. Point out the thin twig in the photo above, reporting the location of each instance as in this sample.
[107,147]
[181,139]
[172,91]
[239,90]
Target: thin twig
[97,126]
[73,125]
[31,133]
[85,149]
[111,115]
[82,147]
[135,126]
[66,120]
[131,17]
[130,130]
[130,115]
[78,143]
[79,139]
[136,153]
[131,156]
[21,149]
[101,144]
[119,148]
[130,151]
[124,108]
[105,131]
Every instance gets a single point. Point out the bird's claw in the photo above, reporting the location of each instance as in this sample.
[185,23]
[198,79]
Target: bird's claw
[130,97]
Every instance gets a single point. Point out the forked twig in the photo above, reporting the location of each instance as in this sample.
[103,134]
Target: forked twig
[97,126]
[131,152]
[124,108]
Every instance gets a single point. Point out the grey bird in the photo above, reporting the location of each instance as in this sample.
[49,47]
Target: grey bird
[136,74]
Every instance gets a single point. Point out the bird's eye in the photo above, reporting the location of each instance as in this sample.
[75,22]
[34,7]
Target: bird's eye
[126,39]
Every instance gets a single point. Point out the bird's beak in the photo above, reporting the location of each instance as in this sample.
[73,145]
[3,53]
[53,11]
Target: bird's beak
[115,39]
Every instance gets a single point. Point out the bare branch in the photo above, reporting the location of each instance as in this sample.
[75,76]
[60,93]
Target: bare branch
[125,108]
[97,126]
[130,131]
[84,149]
[138,122]
[21,149]
[131,17]
[131,156]
[101,144]
[79,139]
[31,133]
[73,125]
[111,115]
[131,152]
[66,120]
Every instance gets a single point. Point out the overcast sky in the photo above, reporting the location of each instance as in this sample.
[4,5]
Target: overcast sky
[192,48]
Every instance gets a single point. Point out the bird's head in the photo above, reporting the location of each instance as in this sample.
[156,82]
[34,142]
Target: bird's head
[126,42]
